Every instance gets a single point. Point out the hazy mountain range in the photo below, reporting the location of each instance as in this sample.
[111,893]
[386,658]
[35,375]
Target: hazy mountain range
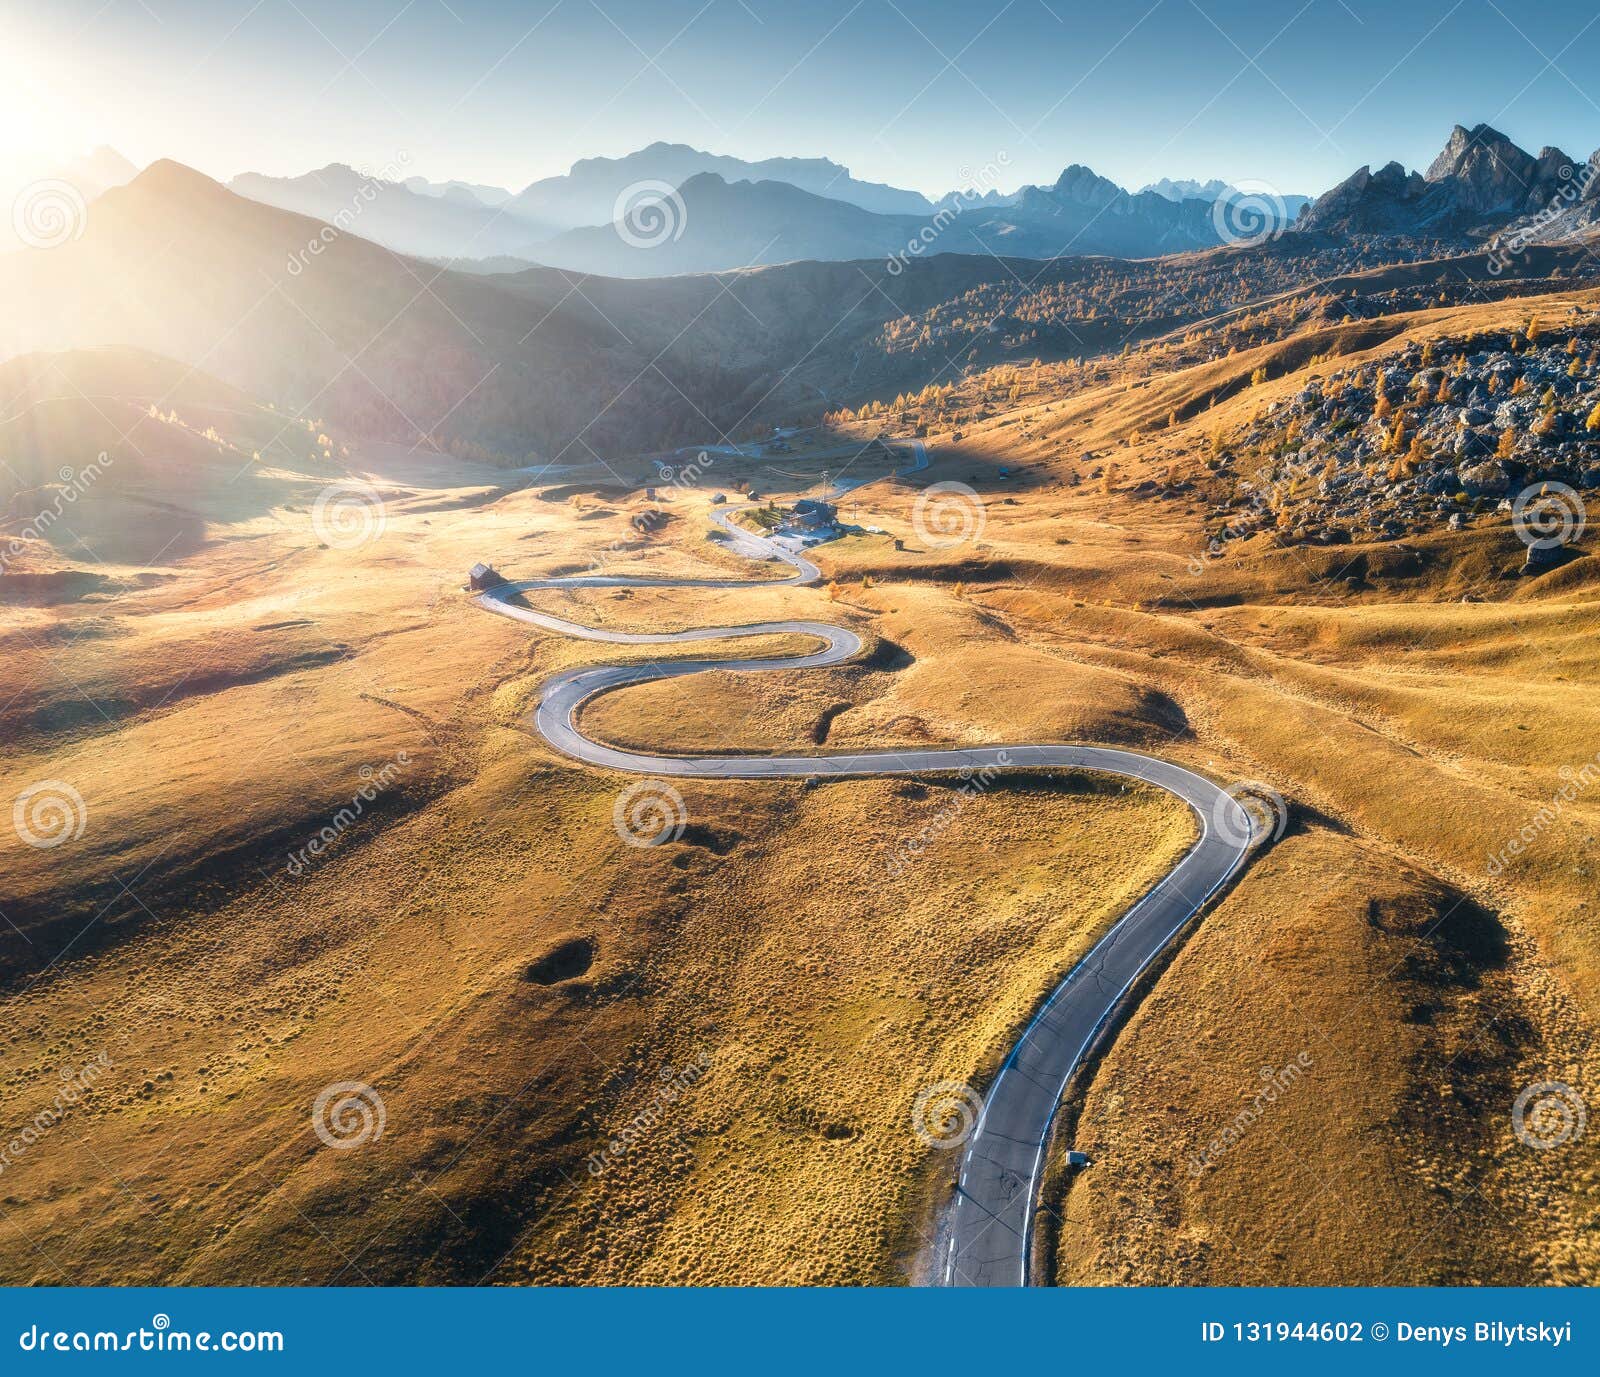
[588,194]
[1188,190]
[460,191]
[394,348]
[449,223]
[1217,189]
[471,221]
[714,213]
[669,208]
[712,225]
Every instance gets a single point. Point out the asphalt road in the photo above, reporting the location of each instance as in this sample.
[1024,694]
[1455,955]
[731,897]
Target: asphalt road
[985,1236]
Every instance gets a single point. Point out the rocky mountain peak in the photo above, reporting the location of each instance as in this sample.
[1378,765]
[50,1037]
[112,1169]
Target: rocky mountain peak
[1488,173]
[1479,181]
[1085,186]
[1463,141]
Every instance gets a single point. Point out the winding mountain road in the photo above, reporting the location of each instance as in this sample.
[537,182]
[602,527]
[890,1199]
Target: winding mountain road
[988,1230]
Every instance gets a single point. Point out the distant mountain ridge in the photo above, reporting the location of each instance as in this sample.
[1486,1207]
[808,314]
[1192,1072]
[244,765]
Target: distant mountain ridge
[534,362]
[506,366]
[721,213]
[460,191]
[713,225]
[1215,190]
[588,194]
[454,223]
[465,220]
[1188,190]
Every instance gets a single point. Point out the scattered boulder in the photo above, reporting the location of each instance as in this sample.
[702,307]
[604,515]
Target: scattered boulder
[1488,479]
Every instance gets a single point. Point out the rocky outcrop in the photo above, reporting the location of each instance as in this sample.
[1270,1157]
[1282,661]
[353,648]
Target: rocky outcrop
[1387,201]
[1424,440]
[1479,183]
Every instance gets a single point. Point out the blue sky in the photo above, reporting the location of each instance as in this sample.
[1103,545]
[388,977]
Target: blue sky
[1295,95]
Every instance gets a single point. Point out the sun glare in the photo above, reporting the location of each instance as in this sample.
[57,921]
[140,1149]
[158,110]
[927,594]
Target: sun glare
[38,125]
